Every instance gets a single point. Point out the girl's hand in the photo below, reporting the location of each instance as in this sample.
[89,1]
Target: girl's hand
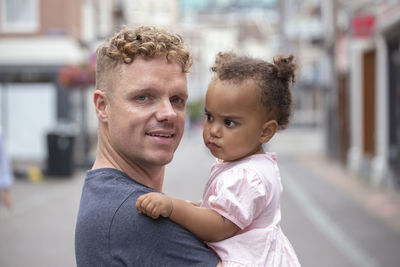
[154,205]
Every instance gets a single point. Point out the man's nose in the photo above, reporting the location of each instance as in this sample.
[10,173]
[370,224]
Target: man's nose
[166,111]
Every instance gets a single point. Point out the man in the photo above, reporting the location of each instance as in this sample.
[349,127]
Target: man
[141,91]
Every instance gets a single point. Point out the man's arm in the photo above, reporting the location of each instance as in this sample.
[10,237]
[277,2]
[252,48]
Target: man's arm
[206,224]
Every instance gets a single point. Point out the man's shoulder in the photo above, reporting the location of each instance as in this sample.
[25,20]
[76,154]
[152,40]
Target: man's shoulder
[103,193]
[114,182]
[136,237]
[106,190]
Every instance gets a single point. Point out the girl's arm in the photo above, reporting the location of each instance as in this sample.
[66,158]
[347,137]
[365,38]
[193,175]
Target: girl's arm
[206,224]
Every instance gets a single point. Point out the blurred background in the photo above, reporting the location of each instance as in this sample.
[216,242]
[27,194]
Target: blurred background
[341,153]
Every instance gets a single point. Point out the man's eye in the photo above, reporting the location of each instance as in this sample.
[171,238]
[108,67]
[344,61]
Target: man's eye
[142,97]
[229,123]
[177,100]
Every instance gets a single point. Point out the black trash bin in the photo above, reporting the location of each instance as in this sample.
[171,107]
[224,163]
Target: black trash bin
[60,148]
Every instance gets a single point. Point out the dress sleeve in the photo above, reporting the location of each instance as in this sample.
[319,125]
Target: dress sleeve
[239,195]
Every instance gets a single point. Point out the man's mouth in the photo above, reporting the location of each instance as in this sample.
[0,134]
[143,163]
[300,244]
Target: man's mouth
[160,135]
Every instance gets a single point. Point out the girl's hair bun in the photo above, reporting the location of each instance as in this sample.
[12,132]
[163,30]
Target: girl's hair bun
[285,67]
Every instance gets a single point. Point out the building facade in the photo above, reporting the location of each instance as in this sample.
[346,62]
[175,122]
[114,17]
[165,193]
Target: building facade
[37,39]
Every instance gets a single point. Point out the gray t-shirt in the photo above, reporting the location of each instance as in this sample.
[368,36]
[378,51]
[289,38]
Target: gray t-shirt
[110,232]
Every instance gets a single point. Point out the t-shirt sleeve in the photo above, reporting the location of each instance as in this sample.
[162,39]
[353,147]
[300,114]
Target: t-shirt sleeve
[138,240]
[239,195]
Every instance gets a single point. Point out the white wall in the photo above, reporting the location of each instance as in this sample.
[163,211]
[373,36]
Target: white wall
[30,111]
[380,162]
[356,119]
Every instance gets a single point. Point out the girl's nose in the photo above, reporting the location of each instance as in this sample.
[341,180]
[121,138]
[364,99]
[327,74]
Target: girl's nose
[215,130]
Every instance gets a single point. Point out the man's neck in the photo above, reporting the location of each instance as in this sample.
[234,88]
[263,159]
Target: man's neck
[146,174]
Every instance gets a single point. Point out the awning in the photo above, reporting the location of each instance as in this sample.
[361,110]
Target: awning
[40,51]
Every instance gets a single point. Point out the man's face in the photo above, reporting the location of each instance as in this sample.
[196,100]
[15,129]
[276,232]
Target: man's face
[146,111]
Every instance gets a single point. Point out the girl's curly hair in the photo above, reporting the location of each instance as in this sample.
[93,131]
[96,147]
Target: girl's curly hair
[274,80]
[145,41]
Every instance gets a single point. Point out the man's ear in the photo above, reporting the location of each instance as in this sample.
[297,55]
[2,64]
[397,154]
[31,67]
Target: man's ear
[268,130]
[100,104]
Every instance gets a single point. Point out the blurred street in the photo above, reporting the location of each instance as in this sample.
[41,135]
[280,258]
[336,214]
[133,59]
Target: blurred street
[331,217]
[339,161]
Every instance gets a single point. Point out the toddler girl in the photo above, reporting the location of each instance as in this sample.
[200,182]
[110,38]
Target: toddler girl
[247,101]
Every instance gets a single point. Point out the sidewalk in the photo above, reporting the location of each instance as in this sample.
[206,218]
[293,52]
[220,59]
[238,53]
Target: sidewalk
[381,203]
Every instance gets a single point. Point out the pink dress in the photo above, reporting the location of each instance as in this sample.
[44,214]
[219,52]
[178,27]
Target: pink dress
[247,192]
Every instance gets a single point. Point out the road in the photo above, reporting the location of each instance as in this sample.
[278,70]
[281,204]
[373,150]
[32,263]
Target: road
[331,217]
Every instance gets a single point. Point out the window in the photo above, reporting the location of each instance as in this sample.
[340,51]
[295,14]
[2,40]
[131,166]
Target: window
[19,15]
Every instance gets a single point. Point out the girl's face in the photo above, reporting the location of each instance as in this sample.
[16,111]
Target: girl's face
[235,119]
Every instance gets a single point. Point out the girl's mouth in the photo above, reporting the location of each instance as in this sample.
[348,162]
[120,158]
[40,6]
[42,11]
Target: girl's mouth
[212,146]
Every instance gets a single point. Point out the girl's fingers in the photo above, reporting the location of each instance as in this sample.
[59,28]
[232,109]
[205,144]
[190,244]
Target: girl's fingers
[142,203]
[139,203]
[155,214]
[147,204]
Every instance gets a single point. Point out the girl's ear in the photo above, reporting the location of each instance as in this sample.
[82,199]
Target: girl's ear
[100,104]
[268,130]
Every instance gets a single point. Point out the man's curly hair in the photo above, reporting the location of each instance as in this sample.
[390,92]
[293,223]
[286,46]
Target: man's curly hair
[145,41]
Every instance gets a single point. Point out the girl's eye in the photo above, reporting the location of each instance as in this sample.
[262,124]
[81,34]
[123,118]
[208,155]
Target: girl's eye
[209,117]
[229,123]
